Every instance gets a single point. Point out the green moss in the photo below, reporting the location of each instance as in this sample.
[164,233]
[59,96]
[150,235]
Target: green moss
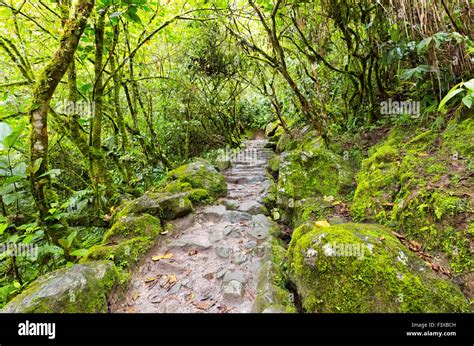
[200,175]
[177,186]
[422,142]
[200,196]
[165,205]
[377,185]
[131,227]
[313,173]
[124,254]
[271,286]
[195,195]
[269,196]
[384,276]
[82,288]
[271,128]
[285,143]
[419,191]
[311,209]
[274,163]
[458,138]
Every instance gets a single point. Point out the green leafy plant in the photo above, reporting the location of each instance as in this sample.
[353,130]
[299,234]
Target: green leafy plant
[464,87]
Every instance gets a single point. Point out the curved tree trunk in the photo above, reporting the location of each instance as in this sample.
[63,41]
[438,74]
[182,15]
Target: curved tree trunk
[45,86]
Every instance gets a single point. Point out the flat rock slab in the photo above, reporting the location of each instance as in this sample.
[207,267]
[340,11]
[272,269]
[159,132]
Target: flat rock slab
[234,276]
[261,227]
[198,242]
[253,208]
[80,288]
[233,289]
[230,204]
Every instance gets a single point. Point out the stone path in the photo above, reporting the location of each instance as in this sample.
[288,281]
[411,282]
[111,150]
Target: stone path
[212,260]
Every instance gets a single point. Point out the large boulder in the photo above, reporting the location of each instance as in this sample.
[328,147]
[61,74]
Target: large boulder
[309,174]
[271,128]
[127,240]
[82,288]
[364,268]
[165,205]
[200,175]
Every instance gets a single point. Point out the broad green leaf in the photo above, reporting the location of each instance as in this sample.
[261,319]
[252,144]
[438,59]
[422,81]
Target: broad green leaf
[13,179]
[52,249]
[71,238]
[469,84]
[80,252]
[63,242]
[20,169]
[468,100]
[448,97]
[12,197]
[3,227]
[37,165]
[4,190]
[10,140]
[134,17]
[52,172]
[423,45]
[5,131]
[115,15]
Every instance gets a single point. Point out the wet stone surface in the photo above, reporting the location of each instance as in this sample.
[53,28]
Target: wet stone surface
[210,262]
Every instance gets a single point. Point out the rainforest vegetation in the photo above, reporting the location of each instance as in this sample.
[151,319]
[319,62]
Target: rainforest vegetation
[366,105]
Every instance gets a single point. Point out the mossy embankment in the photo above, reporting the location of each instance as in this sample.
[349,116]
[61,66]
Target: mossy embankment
[417,182]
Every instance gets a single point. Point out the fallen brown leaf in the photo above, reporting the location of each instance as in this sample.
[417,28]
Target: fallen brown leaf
[398,235]
[204,305]
[160,257]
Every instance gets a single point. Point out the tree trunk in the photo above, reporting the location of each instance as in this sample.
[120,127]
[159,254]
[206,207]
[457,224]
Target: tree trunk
[45,86]
[98,166]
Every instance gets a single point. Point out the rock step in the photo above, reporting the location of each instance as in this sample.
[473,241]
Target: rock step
[246,180]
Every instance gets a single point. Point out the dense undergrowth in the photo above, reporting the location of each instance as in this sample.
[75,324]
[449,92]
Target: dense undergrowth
[101,102]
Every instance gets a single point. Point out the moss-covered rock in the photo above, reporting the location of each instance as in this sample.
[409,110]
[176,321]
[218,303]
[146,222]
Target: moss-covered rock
[144,225]
[165,205]
[269,194]
[222,163]
[200,175]
[82,288]
[127,241]
[124,254]
[274,163]
[316,172]
[272,293]
[311,209]
[271,128]
[364,268]
[307,175]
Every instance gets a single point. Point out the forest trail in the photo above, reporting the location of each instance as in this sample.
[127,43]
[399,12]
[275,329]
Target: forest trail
[211,262]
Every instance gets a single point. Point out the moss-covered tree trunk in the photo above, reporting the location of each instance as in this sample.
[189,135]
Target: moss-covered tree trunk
[45,86]
[101,180]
